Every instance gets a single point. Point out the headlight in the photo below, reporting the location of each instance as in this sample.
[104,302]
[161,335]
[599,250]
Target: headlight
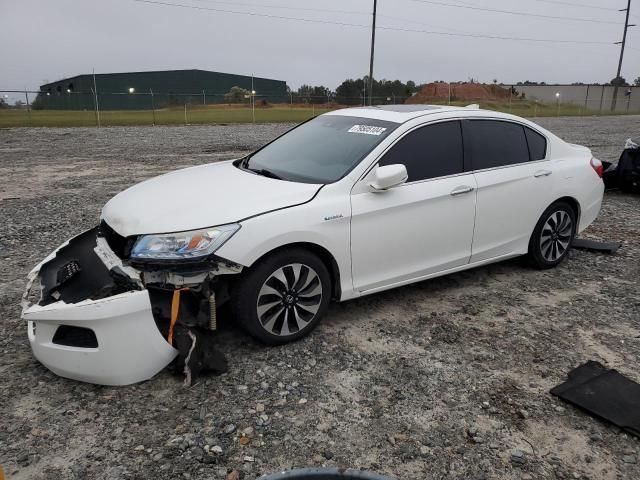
[194,244]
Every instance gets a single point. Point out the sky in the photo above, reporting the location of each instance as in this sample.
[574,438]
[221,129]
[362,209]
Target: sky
[46,40]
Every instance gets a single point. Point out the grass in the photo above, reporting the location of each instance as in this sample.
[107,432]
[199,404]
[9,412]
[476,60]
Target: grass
[524,108]
[168,116]
[217,114]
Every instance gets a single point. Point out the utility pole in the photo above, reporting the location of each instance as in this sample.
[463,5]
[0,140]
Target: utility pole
[153,107]
[622,45]
[26,96]
[95,92]
[253,101]
[373,43]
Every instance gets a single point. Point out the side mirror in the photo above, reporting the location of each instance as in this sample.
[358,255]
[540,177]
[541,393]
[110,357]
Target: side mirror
[388,177]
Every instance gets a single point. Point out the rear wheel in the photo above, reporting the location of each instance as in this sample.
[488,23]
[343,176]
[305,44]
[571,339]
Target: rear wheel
[553,235]
[282,297]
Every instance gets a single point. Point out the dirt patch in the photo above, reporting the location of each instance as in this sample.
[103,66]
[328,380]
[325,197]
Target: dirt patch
[458,91]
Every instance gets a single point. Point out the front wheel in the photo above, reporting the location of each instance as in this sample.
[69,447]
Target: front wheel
[553,236]
[283,296]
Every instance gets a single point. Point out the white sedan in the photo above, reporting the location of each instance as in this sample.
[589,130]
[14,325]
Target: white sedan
[350,203]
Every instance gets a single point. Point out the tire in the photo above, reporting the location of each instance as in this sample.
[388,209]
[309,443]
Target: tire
[550,242]
[282,297]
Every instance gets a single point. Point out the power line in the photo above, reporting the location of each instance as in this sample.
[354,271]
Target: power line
[581,5]
[325,10]
[354,12]
[512,12]
[416,22]
[357,25]
[497,37]
[286,7]
[254,14]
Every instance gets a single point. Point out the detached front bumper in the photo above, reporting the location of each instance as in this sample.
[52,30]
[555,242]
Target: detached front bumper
[107,337]
[128,346]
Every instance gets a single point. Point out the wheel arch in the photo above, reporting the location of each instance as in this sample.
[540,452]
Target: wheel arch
[323,254]
[573,203]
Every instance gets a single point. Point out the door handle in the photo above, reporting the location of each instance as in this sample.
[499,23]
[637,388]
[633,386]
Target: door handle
[461,190]
[542,173]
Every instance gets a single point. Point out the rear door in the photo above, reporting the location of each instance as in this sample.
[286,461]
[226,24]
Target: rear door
[514,180]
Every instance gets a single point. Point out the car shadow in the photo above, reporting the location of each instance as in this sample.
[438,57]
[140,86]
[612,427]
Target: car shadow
[231,336]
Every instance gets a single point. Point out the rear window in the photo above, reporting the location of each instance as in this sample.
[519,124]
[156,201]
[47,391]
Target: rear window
[537,144]
[497,143]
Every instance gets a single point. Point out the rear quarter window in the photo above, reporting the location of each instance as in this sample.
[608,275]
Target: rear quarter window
[537,144]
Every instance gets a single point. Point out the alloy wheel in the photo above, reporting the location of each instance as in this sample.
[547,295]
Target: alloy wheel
[556,235]
[289,299]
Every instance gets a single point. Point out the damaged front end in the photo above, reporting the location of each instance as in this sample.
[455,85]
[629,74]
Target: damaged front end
[96,315]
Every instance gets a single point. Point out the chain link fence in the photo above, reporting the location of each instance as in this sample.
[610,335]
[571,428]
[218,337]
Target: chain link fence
[80,108]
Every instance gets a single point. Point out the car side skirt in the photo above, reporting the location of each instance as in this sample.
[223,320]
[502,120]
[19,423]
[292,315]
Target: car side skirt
[438,274]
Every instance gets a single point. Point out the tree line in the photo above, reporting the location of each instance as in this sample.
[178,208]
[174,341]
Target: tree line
[619,81]
[356,91]
[353,91]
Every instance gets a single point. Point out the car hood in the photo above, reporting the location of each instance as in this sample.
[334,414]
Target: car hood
[200,197]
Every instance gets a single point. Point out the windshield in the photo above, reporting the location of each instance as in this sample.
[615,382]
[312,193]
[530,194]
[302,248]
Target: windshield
[322,150]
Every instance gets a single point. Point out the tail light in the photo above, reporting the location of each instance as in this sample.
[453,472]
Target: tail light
[597,166]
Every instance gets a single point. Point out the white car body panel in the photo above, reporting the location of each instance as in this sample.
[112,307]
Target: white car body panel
[130,347]
[208,195]
[323,222]
[376,240]
[509,202]
[442,273]
[410,231]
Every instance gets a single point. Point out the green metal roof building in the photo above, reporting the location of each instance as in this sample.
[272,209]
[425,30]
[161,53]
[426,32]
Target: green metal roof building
[146,90]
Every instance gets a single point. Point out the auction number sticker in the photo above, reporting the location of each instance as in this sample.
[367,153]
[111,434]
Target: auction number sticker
[367,129]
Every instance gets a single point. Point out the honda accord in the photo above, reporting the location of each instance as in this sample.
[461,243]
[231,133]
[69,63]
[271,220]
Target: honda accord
[347,204]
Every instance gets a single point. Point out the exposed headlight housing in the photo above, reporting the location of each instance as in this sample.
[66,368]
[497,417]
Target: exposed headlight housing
[183,245]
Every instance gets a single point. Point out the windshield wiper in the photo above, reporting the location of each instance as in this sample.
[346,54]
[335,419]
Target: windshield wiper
[258,171]
[265,173]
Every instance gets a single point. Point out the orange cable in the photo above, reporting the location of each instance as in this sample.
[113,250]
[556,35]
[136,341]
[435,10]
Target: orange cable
[175,308]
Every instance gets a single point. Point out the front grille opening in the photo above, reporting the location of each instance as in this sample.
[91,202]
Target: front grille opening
[75,337]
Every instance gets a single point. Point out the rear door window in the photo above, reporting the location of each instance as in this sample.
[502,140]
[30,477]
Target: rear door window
[537,144]
[429,152]
[496,143]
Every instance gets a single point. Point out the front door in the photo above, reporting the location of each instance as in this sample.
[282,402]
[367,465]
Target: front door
[423,226]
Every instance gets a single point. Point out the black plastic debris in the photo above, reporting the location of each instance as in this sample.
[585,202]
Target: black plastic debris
[197,353]
[625,173]
[325,474]
[596,246]
[604,393]
[76,273]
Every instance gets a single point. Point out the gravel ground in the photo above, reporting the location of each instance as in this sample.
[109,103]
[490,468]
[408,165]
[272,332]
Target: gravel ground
[448,378]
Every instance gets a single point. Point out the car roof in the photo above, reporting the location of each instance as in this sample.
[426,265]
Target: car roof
[404,113]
